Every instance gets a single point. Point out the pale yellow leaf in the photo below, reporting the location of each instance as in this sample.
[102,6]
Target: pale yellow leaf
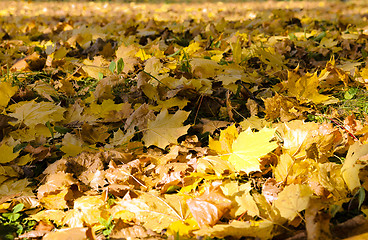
[166,128]
[249,147]
[47,215]
[352,165]
[121,138]
[283,168]
[155,212]
[69,233]
[292,200]
[96,66]
[237,229]
[214,164]
[32,113]
[15,187]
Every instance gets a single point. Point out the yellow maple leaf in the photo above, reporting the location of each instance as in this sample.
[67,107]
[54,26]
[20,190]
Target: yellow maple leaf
[95,67]
[11,187]
[142,54]
[205,68]
[153,66]
[121,138]
[55,200]
[6,92]
[171,102]
[102,110]
[249,147]
[91,208]
[253,122]
[153,211]
[270,57]
[128,54]
[6,153]
[305,88]
[183,228]
[72,145]
[46,215]
[292,200]
[210,164]
[242,200]
[166,128]
[223,145]
[32,113]
[356,159]
[283,170]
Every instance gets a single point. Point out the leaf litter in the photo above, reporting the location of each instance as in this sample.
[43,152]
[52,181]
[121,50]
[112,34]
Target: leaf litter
[174,121]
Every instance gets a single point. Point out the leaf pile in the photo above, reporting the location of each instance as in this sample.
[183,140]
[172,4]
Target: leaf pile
[174,121]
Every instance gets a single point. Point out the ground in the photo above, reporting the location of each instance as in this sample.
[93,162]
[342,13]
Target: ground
[180,121]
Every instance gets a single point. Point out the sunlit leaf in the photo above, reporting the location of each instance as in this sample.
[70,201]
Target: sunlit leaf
[6,92]
[166,128]
[292,200]
[249,147]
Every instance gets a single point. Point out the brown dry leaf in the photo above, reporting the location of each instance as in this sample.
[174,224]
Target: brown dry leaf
[357,225]
[55,182]
[76,116]
[105,86]
[139,118]
[211,125]
[317,221]
[270,190]
[209,207]
[33,62]
[125,231]
[282,107]
[92,134]
[38,153]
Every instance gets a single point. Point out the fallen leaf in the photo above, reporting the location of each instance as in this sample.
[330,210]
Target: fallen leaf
[352,165]
[249,147]
[209,207]
[237,229]
[7,91]
[292,200]
[166,128]
[32,113]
